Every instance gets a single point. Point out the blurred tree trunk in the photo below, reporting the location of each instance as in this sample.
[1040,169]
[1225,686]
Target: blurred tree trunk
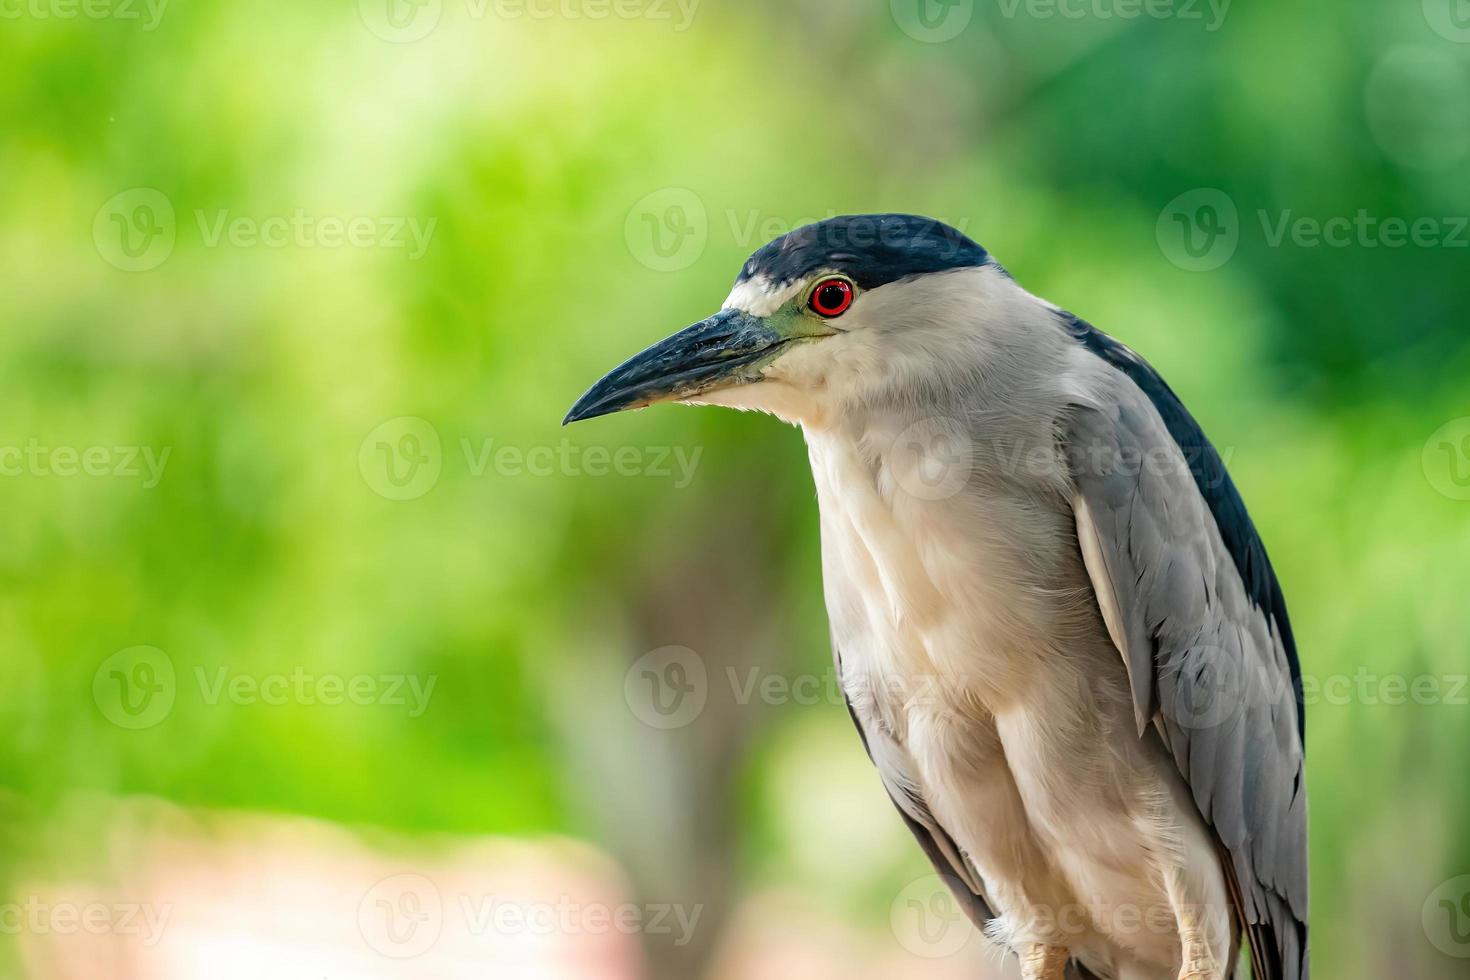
[666,800]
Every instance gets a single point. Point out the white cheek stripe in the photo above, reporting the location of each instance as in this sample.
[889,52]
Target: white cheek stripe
[758,297]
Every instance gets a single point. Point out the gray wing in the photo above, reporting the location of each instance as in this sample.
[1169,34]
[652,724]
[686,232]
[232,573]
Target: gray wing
[893,768]
[1192,603]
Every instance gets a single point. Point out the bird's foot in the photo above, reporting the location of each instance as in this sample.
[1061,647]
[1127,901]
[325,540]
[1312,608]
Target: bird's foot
[1042,962]
[1199,960]
[1201,971]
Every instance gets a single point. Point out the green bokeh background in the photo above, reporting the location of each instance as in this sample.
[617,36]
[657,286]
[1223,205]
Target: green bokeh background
[545,151]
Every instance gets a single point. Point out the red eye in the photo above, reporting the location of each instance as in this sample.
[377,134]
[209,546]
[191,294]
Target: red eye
[832,297]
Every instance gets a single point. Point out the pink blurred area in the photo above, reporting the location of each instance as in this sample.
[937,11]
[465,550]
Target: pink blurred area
[253,897]
[780,937]
[184,895]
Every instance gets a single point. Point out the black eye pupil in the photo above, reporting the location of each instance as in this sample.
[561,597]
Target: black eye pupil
[831,297]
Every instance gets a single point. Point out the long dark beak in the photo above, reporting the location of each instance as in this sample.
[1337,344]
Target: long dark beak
[727,349]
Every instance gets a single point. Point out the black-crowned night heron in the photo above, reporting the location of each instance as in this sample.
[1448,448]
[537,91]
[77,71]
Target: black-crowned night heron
[1055,624]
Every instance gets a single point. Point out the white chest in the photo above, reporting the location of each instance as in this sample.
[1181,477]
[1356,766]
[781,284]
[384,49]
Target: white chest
[939,596]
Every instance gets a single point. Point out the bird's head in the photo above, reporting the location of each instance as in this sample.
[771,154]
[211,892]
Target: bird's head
[843,309]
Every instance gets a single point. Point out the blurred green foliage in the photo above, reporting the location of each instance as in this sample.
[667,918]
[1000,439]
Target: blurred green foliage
[532,145]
